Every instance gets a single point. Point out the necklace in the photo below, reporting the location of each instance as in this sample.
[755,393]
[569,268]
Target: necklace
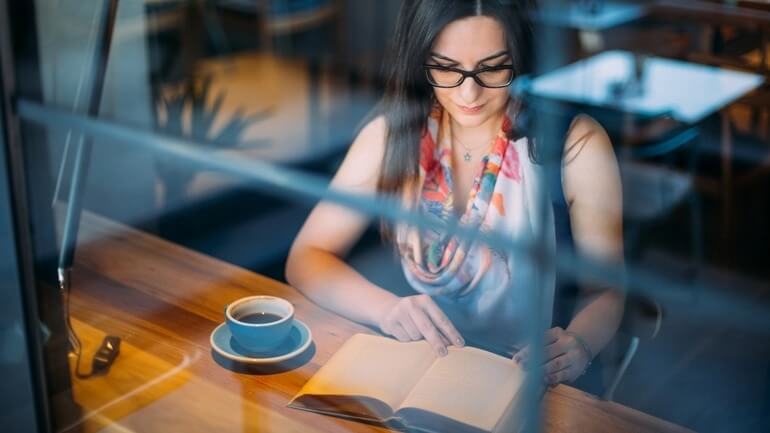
[467,157]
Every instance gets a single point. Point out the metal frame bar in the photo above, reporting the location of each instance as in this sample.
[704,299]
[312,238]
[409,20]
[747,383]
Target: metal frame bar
[22,214]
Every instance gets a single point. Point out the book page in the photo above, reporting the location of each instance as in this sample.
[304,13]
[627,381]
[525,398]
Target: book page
[469,385]
[370,366]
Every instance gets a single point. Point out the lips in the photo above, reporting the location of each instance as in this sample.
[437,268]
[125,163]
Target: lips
[470,110]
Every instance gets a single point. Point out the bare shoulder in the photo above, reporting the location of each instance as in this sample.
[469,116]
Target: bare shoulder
[592,187]
[335,228]
[361,166]
[586,135]
[373,133]
[590,166]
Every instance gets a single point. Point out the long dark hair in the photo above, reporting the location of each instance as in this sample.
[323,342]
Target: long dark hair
[408,97]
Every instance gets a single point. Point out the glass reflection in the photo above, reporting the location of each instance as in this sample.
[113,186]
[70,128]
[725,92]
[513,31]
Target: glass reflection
[611,200]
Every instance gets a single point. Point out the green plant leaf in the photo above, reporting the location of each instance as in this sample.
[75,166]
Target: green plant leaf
[193,94]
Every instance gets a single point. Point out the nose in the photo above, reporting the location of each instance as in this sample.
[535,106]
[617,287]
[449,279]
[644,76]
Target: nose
[469,90]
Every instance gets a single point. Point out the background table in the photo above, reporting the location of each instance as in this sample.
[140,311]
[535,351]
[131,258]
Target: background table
[164,300]
[687,91]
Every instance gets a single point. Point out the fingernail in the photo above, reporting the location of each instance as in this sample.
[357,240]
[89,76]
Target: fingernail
[460,341]
[443,351]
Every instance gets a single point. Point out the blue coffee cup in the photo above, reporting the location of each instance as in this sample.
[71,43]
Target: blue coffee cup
[259,323]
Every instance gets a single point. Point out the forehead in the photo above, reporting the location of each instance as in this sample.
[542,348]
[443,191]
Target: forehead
[470,39]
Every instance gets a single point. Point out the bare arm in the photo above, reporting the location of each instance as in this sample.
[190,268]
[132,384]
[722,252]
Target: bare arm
[315,264]
[593,190]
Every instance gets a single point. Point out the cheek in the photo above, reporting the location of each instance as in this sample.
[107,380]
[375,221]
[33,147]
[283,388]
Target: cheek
[498,97]
[442,95]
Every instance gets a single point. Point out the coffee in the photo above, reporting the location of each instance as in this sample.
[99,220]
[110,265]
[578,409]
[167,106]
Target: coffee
[259,318]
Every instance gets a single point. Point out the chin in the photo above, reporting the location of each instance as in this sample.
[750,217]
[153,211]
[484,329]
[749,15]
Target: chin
[470,120]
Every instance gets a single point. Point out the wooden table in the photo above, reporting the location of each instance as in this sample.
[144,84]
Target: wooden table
[164,300]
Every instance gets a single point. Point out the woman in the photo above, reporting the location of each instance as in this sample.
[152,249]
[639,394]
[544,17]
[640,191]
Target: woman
[446,143]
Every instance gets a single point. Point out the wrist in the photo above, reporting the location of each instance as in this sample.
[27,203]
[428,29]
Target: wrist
[584,347]
[382,307]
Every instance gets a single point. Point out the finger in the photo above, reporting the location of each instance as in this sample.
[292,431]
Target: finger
[426,328]
[442,322]
[522,356]
[398,331]
[410,328]
[551,337]
[557,364]
[558,377]
[446,342]
[556,349]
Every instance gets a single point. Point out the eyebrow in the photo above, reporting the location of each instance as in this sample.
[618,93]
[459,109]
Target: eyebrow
[485,59]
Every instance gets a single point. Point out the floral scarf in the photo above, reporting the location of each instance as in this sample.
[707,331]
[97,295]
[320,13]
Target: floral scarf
[502,198]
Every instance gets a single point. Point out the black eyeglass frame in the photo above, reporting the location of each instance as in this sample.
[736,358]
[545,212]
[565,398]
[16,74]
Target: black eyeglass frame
[465,74]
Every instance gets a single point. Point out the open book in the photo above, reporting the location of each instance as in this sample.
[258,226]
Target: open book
[407,387]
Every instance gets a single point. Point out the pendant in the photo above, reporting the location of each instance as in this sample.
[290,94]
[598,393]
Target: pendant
[467,157]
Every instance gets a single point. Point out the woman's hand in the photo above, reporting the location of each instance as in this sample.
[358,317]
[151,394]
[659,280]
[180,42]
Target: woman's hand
[566,358]
[417,317]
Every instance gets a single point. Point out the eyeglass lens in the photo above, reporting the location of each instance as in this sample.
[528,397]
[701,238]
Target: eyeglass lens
[449,78]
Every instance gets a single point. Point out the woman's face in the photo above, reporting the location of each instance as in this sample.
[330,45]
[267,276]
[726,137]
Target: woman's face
[471,43]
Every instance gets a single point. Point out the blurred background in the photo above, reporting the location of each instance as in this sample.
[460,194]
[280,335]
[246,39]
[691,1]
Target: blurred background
[680,85]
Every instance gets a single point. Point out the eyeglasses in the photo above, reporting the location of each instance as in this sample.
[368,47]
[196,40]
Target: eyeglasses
[493,77]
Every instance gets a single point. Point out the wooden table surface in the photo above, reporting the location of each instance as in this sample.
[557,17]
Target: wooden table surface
[164,300]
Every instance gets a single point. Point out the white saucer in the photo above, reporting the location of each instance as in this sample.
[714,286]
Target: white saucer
[298,340]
